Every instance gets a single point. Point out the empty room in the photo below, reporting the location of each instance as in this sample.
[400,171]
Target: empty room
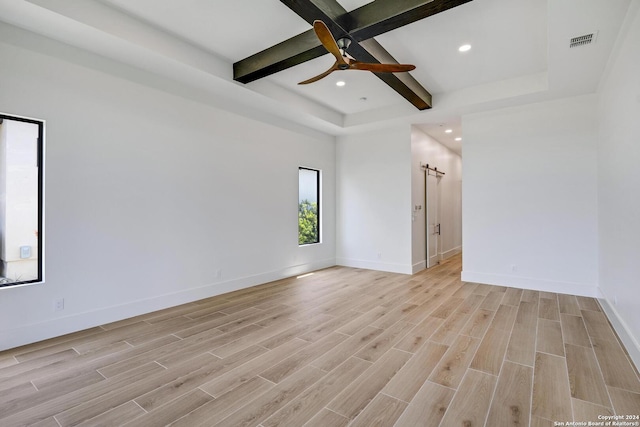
[319,213]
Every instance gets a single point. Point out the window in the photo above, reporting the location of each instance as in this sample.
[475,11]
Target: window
[21,197]
[308,206]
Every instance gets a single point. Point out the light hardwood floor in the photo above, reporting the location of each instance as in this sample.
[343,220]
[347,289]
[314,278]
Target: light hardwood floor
[340,347]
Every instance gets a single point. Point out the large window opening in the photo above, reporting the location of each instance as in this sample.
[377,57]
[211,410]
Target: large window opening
[308,206]
[21,196]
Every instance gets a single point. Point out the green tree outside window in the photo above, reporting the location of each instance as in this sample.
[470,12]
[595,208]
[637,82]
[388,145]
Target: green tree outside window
[307,222]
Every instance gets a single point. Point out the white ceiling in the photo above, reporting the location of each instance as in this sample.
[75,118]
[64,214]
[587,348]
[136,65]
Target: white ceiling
[520,53]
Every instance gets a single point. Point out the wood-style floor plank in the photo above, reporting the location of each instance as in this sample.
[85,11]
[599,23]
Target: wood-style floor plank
[419,335]
[574,331]
[223,383]
[359,393]
[326,418]
[306,405]
[492,301]
[225,405]
[522,345]
[169,412]
[268,403]
[598,326]
[511,404]
[455,362]
[531,296]
[548,309]
[471,402]
[588,303]
[406,383]
[542,422]
[42,406]
[383,342]
[624,402]
[551,394]
[341,347]
[116,397]
[49,422]
[382,411]
[589,412]
[504,318]
[185,383]
[615,365]
[568,305]
[549,338]
[490,354]
[428,406]
[478,323]
[302,358]
[346,349]
[585,378]
[512,296]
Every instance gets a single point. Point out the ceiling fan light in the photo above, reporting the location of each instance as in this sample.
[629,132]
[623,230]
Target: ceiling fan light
[464,48]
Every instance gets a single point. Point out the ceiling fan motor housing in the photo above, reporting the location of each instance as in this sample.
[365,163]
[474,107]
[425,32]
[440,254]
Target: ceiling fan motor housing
[344,44]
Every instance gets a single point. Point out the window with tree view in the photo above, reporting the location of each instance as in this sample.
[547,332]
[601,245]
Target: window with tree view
[21,195]
[308,206]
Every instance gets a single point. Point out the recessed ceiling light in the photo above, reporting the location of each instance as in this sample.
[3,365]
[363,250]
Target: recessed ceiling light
[448,131]
[464,48]
[458,139]
[340,83]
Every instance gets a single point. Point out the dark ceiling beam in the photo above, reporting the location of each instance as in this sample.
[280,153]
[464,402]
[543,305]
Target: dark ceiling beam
[296,50]
[403,83]
[360,25]
[310,10]
[382,16]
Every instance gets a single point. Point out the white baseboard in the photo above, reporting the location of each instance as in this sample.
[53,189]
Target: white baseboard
[622,329]
[451,252]
[373,265]
[532,283]
[27,334]
[419,266]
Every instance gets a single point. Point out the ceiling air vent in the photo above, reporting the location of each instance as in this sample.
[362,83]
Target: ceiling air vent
[582,40]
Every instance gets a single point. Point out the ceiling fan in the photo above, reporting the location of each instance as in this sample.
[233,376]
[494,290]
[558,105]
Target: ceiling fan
[343,60]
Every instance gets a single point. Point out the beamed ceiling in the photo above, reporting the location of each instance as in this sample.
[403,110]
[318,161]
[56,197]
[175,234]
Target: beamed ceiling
[248,56]
[360,25]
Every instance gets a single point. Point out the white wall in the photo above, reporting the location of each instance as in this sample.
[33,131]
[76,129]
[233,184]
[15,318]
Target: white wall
[150,195]
[619,184]
[426,150]
[374,200]
[529,204]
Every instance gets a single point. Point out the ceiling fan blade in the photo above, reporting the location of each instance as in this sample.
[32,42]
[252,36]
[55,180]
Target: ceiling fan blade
[381,68]
[321,76]
[327,40]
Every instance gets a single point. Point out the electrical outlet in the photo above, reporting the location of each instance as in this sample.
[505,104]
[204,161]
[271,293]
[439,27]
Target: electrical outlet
[218,274]
[379,255]
[514,267]
[58,304]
